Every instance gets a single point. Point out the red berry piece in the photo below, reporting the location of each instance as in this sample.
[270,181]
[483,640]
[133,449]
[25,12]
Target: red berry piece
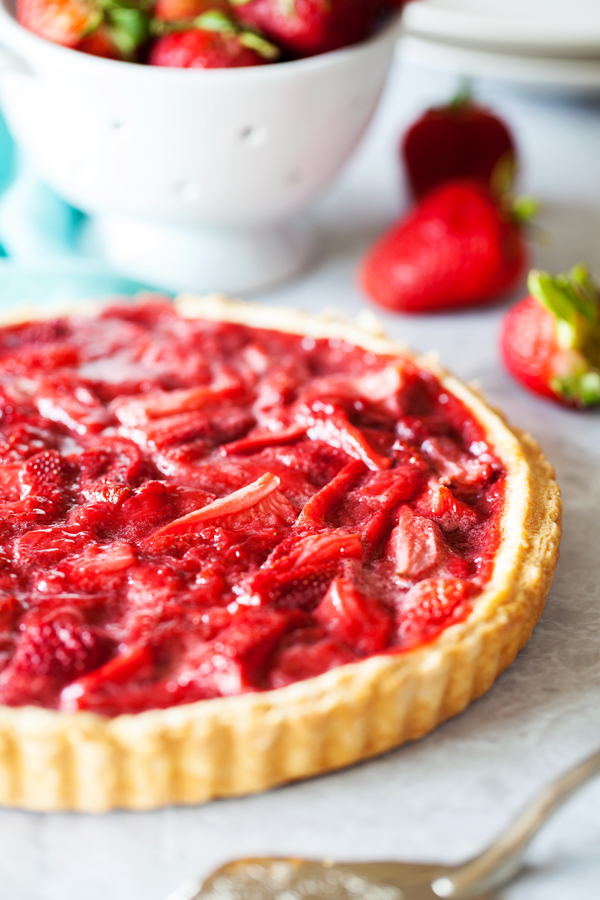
[182,10]
[354,618]
[315,512]
[417,545]
[43,478]
[115,30]
[432,605]
[451,514]
[457,248]
[212,42]
[260,504]
[64,22]
[550,341]
[46,546]
[306,659]
[308,27]
[459,140]
[104,690]
[299,570]
[49,655]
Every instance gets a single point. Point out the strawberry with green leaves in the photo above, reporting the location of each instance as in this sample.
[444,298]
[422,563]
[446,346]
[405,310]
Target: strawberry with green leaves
[551,340]
[116,29]
[308,27]
[211,41]
[459,140]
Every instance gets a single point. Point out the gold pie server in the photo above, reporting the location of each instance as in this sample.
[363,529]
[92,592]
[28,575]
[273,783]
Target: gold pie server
[298,879]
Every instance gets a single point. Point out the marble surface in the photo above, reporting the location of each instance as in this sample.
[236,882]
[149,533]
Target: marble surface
[445,796]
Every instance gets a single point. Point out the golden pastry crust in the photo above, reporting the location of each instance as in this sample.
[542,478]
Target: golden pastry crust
[243,744]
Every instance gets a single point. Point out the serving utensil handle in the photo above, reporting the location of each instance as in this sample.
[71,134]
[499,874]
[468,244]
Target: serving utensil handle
[502,860]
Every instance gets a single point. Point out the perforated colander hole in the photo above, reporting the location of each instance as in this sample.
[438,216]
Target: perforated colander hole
[253,135]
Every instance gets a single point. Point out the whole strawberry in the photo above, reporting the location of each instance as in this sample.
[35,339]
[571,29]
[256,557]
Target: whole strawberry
[459,140]
[458,247]
[111,28]
[182,10]
[308,27]
[550,341]
[212,41]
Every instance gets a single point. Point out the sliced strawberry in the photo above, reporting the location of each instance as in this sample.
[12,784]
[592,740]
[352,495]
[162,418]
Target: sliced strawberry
[20,440]
[551,340]
[140,409]
[332,426]
[96,518]
[258,502]
[46,546]
[38,358]
[147,507]
[80,411]
[101,567]
[150,586]
[10,485]
[227,424]
[440,504]
[417,545]
[160,433]
[258,440]
[48,656]
[307,660]
[354,618]
[299,569]
[315,513]
[232,663]
[43,480]
[102,690]
[109,470]
[10,611]
[374,387]
[235,661]
[457,467]
[385,490]
[432,605]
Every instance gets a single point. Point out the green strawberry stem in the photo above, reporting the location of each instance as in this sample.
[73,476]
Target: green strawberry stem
[214,20]
[573,300]
[288,7]
[524,209]
[128,23]
[463,96]
[503,176]
[263,47]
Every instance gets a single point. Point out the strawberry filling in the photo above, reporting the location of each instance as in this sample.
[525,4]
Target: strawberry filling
[194,509]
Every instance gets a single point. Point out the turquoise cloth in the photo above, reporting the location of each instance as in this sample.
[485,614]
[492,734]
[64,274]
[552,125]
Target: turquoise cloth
[40,257]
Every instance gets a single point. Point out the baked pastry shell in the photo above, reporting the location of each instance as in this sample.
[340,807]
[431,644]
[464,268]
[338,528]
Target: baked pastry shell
[230,746]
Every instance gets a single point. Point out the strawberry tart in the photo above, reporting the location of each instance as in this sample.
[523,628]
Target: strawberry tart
[243,545]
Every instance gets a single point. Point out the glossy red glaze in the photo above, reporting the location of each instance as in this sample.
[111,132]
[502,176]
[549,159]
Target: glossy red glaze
[193,509]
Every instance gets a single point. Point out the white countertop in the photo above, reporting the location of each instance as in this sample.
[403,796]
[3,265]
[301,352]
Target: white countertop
[445,796]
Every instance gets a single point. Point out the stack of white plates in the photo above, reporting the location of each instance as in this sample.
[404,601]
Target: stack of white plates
[552,42]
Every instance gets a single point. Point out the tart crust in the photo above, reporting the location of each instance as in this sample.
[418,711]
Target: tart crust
[238,745]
